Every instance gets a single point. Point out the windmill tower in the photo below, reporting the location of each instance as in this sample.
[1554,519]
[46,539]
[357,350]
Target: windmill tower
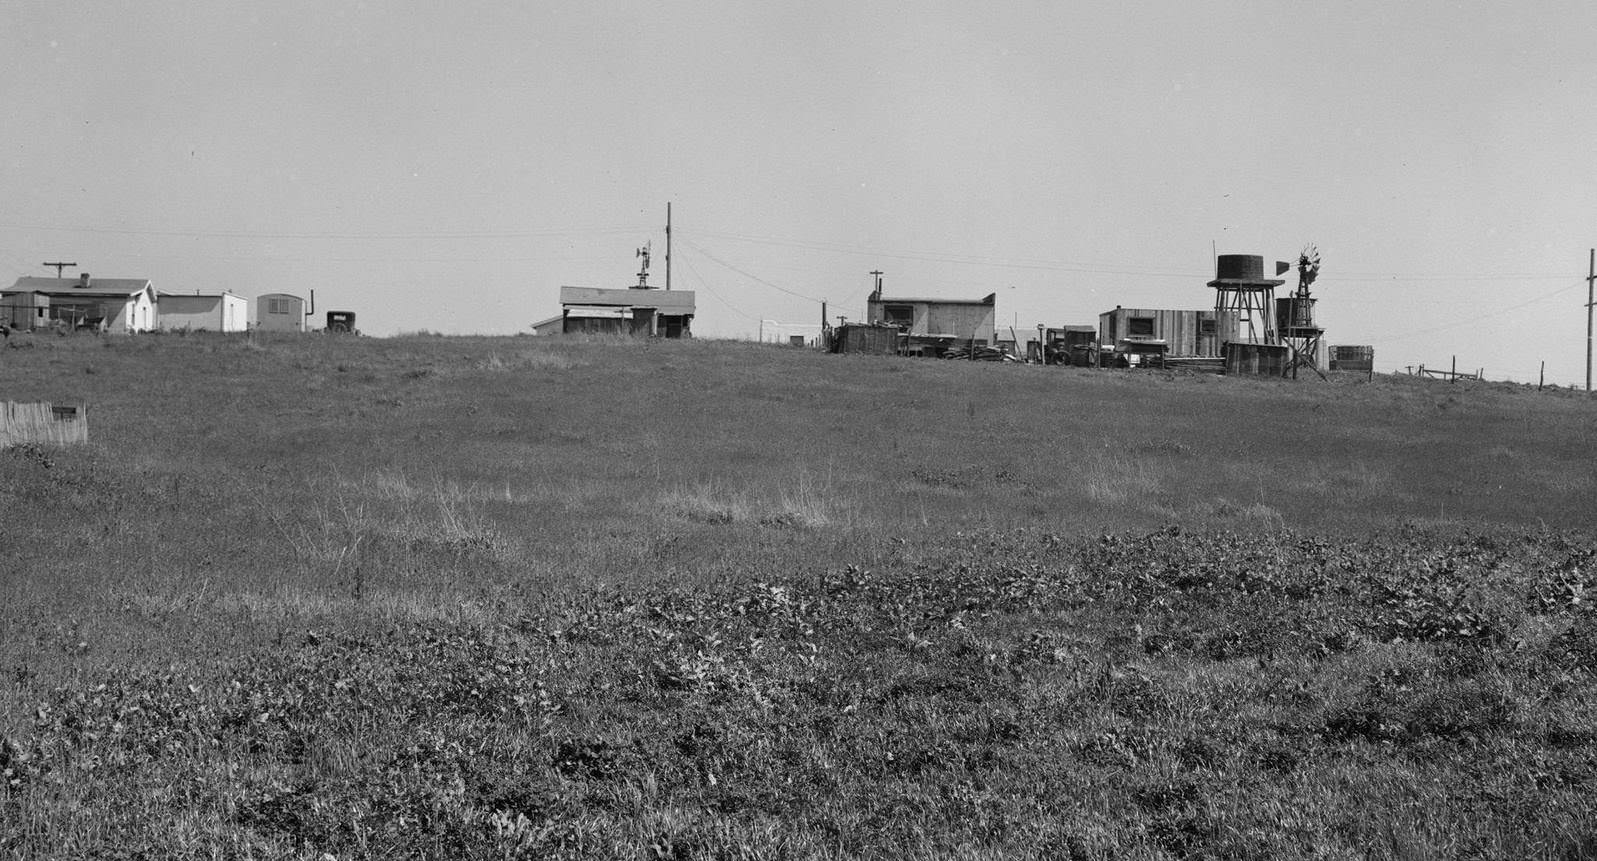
[1241,289]
[643,273]
[1294,315]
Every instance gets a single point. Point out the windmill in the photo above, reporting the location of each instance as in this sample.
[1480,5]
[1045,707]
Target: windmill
[643,272]
[1295,315]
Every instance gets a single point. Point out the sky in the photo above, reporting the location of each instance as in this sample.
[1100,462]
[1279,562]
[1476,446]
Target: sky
[448,166]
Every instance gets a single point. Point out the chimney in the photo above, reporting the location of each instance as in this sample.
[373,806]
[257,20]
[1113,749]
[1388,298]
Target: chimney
[83,281]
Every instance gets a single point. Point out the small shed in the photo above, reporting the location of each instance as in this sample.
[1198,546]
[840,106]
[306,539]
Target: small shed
[279,312]
[1350,357]
[124,305]
[627,311]
[203,312]
[940,322]
[1264,360]
[869,338]
[1189,333]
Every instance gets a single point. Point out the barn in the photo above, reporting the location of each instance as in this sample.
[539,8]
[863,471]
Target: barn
[124,305]
[202,312]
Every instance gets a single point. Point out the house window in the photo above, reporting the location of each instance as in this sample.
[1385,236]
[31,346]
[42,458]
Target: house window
[1206,327]
[278,306]
[898,315]
[1139,326]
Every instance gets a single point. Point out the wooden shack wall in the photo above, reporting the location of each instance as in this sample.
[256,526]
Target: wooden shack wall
[874,340]
[42,424]
[1182,329]
[1264,360]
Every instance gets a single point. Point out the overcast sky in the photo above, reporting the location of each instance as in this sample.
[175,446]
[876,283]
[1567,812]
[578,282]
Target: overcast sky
[448,166]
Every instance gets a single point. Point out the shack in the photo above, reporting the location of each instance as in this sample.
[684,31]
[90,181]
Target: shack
[1190,334]
[935,326]
[637,311]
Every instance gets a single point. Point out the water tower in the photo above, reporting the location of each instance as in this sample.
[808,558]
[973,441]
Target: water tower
[1240,288]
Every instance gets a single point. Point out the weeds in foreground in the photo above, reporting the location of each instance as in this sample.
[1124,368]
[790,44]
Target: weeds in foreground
[1167,695]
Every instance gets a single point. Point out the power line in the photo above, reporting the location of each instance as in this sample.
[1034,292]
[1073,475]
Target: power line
[706,285]
[699,248]
[1406,334]
[264,234]
[1103,268]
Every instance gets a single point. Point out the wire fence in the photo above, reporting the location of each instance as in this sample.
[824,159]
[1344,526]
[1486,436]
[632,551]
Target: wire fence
[43,424]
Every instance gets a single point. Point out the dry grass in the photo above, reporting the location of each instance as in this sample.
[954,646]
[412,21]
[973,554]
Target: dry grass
[475,597]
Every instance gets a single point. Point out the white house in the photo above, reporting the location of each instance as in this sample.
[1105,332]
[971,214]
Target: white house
[208,312]
[124,305]
[279,312]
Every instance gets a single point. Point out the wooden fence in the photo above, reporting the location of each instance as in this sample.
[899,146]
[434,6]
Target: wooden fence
[43,424]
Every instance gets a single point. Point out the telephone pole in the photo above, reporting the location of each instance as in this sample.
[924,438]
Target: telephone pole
[1591,279]
[60,266]
[668,245]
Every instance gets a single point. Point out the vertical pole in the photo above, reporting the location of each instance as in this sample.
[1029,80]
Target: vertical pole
[1452,376]
[668,248]
[1541,378]
[1591,278]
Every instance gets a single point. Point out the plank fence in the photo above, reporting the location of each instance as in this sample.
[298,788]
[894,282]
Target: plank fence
[43,424]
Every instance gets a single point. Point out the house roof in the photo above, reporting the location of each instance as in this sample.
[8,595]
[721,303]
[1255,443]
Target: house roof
[666,301]
[989,299]
[120,287]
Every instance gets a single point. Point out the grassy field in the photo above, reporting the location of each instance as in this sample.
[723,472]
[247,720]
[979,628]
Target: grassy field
[511,597]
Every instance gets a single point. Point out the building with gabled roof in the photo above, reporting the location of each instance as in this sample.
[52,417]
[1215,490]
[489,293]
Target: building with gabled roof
[626,311]
[124,305]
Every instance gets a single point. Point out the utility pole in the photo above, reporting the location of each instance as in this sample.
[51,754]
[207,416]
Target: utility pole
[668,245]
[1591,279]
[61,266]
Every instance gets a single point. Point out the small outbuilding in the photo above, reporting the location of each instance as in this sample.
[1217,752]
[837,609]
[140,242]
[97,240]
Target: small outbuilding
[124,305]
[202,312]
[640,311]
[1190,334]
[932,326]
[280,312]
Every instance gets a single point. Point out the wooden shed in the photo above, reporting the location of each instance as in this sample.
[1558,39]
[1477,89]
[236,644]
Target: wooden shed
[1263,360]
[865,338]
[627,311]
[938,323]
[1189,333]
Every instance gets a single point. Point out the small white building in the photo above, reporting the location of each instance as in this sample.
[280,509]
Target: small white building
[124,305]
[203,312]
[791,334]
[279,312]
